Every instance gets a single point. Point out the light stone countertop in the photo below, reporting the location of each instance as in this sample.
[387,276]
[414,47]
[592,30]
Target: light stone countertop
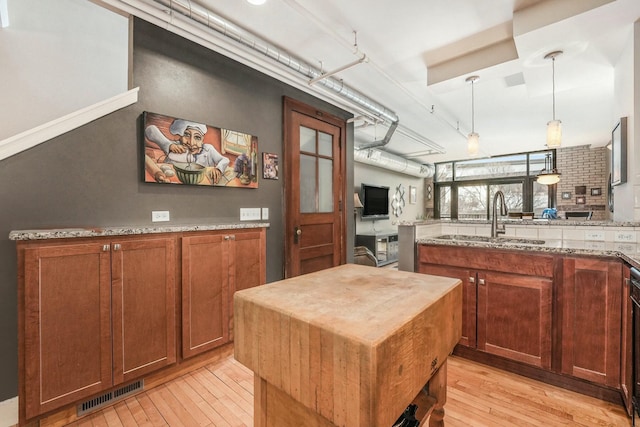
[69,233]
[626,251]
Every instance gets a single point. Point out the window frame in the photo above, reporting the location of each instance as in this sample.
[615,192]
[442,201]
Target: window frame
[527,181]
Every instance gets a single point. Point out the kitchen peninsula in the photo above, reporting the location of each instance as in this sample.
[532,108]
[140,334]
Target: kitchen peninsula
[348,346]
[548,300]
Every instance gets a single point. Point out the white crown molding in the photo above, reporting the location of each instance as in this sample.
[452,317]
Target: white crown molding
[32,137]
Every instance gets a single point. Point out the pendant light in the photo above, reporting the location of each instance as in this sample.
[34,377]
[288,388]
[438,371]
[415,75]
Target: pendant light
[554,127]
[549,175]
[473,140]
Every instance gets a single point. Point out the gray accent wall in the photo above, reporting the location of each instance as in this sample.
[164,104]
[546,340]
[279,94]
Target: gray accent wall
[92,176]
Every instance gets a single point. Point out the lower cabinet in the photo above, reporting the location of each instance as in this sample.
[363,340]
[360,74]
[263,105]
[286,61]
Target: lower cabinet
[94,314]
[591,319]
[504,313]
[568,315]
[214,266]
[98,313]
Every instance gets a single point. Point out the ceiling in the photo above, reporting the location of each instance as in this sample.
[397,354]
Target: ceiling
[419,54]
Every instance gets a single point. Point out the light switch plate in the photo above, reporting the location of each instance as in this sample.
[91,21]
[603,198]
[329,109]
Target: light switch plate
[249,214]
[265,213]
[160,216]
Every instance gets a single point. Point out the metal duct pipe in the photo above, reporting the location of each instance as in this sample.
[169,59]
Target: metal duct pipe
[392,162]
[384,141]
[228,29]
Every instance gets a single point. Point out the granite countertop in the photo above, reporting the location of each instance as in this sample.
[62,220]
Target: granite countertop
[538,222]
[625,251]
[68,233]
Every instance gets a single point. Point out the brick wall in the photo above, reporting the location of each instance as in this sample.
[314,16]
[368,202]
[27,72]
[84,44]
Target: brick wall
[587,167]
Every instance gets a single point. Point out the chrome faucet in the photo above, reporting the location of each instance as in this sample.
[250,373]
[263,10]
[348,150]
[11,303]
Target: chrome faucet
[495,228]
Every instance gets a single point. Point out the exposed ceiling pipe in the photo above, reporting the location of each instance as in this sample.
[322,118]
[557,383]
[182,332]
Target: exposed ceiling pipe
[382,142]
[384,159]
[232,31]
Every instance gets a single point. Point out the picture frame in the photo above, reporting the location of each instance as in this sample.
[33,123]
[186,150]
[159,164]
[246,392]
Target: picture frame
[581,200]
[581,189]
[413,194]
[566,195]
[186,152]
[619,153]
[269,166]
[596,191]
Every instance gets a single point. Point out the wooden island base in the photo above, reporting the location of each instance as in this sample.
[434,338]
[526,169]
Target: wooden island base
[273,407]
[351,346]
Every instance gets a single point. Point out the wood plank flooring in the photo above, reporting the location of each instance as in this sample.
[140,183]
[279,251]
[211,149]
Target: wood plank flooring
[221,394]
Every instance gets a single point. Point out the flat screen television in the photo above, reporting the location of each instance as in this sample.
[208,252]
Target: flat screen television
[375,201]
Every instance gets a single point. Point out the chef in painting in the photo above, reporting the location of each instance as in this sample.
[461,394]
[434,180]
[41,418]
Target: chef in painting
[189,147]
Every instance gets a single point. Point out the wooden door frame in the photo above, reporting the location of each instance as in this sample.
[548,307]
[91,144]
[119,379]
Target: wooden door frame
[290,106]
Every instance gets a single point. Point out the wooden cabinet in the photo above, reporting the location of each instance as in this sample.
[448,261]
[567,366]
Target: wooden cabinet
[507,299]
[94,314]
[214,266]
[626,344]
[591,319]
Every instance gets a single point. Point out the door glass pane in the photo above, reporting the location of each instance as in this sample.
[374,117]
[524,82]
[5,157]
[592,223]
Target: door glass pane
[513,196]
[472,202]
[325,185]
[307,183]
[307,140]
[445,201]
[325,144]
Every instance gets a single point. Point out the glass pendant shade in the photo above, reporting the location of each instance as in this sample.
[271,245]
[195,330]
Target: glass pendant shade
[473,144]
[554,134]
[548,178]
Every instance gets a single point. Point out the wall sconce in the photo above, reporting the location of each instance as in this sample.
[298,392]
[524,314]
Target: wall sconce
[356,201]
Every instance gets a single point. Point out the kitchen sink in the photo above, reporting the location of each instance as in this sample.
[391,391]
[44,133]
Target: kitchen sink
[487,239]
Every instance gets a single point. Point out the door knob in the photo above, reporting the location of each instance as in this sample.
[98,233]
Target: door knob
[296,235]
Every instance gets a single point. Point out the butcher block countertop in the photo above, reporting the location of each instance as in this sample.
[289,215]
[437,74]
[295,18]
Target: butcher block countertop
[353,344]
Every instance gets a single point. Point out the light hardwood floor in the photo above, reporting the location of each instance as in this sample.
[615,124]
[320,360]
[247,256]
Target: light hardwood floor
[221,394]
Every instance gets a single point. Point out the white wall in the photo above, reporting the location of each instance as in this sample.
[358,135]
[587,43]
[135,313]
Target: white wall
[368,174]
[57,57]
[626,98]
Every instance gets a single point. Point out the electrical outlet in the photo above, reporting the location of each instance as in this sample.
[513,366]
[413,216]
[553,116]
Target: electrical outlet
[159,216]
[265,213]
[594,235]
[625,236]
[249,214]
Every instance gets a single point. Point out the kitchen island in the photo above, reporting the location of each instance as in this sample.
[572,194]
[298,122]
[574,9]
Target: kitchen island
[348,346]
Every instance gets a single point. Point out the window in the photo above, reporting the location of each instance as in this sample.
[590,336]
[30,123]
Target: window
[465,189]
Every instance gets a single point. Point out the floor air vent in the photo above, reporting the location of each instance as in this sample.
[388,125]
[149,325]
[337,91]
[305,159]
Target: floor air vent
[110,397]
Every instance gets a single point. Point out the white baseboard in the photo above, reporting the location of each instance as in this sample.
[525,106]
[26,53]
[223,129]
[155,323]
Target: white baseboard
[9,412]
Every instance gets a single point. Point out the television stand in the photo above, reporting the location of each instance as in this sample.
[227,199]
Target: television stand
[383,245]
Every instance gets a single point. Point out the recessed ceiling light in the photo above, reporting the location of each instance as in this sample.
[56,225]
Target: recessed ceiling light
[257,2]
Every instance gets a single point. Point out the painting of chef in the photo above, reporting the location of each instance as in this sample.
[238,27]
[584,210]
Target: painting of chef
[179,151]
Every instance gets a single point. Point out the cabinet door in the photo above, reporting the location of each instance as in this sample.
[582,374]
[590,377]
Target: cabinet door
[205,292]
[591,319]
[67,324]
[468,279]
[514,317]
[247,265]
[143,306]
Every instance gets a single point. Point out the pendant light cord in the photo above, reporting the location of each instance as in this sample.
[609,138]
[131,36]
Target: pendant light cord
[553,85]
[473,114]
